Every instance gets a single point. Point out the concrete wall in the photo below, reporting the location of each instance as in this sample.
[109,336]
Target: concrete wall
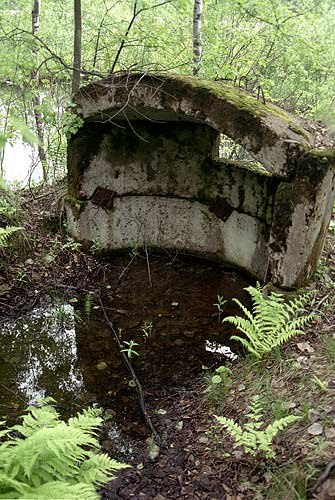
[162,185]
[168,189]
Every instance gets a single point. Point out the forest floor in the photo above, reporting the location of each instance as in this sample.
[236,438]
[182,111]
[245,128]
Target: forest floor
[195,457]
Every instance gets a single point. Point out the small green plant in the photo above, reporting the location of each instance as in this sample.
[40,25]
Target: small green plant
[8,209]
[46,458]
[54,250]
[88,305]
[321,269]
[222,376]
[218,386]
[72,245]
[96,247]
[129,349]
[250,436]
[22,277]
[147,329]
[321,384]
[219,305]
[271,321]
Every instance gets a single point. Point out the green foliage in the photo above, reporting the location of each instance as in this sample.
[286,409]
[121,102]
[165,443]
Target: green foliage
[7,209]
[53,459]
[6,232]
[71,123]
[271,321]
[331,227]
[321,384]
[282,45]
[96,247]
[130,349]
[88,305]
[219,305]
[218,386]
[147,329]
[71,245]
[27,135]
[251,436]
[222,376]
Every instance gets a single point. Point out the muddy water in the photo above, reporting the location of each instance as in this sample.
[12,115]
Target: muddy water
[68,352]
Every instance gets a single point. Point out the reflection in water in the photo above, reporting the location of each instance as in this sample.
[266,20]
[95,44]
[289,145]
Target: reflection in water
[39,358]
[224,350]
[60,352]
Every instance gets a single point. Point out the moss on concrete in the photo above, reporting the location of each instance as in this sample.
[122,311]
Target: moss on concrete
[326,154]
[208,98]
[241,99]
[255,168]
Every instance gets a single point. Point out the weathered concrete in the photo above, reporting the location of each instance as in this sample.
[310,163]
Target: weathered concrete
[272,135]
[145,170]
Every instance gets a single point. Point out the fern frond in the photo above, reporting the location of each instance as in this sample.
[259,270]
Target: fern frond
[278,425]
[244,309]
[54,459]
[60,490]
[250,436]
[271,322]
[98,469]
[232,427]
[37,418]
[88,420]
[6,232]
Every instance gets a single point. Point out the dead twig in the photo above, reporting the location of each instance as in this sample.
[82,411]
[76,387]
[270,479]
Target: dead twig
[126,268]
[329,467]
[148,265]
[130,369]
[13,392]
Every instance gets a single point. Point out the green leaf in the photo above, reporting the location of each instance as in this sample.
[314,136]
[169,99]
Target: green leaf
[216,379]
[27,135]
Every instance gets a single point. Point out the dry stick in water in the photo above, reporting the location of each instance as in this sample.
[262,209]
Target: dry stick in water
[131,371]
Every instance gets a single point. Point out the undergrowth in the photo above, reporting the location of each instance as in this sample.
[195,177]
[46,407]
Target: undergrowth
[271,321]
[45,458]
[253,437]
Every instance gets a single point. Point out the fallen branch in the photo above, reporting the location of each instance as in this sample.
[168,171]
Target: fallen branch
[131,371]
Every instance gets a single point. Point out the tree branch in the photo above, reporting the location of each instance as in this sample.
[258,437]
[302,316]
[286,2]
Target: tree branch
[136,13]
[130,369]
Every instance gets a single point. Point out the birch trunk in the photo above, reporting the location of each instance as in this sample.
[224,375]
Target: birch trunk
[197,44]
[76,47]
[37,100]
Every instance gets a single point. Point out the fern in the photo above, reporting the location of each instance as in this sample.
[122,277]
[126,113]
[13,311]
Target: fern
[271,321]
[53,459]
[250,436]
[6,232]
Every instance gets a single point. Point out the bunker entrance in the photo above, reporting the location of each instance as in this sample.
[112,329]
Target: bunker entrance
[153,167]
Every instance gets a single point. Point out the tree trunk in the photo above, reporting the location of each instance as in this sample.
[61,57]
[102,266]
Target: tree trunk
[37,101]
[197,44]
[76,47]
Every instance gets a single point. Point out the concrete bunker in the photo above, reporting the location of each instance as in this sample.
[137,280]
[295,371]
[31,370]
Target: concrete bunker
[145,170]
